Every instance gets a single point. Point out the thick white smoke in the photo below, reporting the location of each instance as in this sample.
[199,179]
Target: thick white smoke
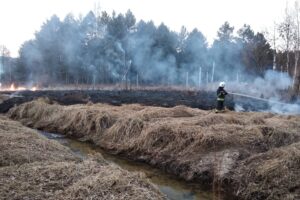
[271,83]
[268,89]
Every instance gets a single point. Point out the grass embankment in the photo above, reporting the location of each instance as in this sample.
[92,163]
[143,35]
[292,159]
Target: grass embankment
[34,167]
[256,155]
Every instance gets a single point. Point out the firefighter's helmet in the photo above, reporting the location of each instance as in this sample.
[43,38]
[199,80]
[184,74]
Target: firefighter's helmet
[222,84]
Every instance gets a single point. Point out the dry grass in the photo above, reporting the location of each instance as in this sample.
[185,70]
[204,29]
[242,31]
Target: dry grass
[193,144]
[271,175]
[20,145]
[34,167]
[71,180]
[111,183]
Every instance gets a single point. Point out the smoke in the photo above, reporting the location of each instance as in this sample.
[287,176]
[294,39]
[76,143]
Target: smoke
[85,51]
[285,108]
[63,52]
[267,91]
[150,60]
[271,83]
[119,47]
[238,107]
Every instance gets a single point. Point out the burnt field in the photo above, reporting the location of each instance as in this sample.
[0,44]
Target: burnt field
[195,99]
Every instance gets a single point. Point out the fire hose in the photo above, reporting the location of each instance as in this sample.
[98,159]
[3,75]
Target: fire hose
[258,98]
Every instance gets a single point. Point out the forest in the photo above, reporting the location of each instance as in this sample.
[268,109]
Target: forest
[107,49]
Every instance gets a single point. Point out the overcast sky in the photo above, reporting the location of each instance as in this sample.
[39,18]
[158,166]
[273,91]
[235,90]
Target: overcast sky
[20,19]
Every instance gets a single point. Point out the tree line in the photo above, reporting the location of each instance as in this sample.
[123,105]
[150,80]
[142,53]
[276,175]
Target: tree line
[108,49]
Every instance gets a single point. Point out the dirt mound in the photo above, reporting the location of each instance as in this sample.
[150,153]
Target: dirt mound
[194,144]
[34,167]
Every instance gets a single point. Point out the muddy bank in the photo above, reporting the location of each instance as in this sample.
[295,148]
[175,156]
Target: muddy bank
[194,99]
[33,167]
[236,153]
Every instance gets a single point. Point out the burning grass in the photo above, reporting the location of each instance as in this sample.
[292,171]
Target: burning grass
[33,167]
[193,144]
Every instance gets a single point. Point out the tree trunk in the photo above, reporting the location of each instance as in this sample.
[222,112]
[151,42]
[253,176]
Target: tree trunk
[295,67]
[287,61]
[274,60]
[296,85]
[296,78]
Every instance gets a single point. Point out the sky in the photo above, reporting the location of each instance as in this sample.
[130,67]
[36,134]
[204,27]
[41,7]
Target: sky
[20,19]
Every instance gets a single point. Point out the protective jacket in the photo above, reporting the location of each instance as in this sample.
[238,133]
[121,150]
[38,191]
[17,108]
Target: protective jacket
[221,93]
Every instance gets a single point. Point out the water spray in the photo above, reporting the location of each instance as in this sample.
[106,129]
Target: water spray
[258,98]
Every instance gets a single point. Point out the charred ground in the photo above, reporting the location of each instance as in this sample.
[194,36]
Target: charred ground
[165,98]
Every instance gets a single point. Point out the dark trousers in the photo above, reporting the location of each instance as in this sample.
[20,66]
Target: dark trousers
[220,105]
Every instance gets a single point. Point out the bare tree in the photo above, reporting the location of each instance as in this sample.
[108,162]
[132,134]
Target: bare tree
[5,54]
[271,34]
[274,39]
[286,33]
[296,75]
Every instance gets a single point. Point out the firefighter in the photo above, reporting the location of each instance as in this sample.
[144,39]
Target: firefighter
[221,93]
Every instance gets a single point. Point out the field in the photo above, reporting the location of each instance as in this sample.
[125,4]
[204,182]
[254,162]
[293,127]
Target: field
[245,155]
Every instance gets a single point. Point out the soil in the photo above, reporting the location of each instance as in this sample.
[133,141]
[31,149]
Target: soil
[34,167]
[246,155]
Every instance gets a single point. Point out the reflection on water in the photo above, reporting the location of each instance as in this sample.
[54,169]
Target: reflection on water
[173,188]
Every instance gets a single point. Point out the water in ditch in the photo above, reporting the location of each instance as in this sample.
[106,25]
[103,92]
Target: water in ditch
[173,188]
